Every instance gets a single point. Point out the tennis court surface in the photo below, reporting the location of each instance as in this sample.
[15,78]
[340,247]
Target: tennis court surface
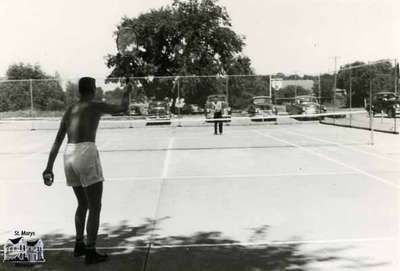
[299,195]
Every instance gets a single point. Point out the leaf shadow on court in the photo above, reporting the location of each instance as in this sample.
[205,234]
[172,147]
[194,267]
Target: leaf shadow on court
[170,253]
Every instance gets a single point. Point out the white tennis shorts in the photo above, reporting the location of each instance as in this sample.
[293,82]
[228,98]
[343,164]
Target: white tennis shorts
[82,164]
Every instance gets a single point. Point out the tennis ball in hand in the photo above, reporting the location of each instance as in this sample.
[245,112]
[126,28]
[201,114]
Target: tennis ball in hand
[48,178]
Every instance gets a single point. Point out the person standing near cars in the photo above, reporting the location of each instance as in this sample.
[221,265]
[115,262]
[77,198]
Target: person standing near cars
[218,124]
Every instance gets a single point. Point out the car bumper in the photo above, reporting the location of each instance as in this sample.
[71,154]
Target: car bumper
[158,119]
[264,116]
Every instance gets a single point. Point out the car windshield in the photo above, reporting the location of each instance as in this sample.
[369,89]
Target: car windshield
[307,99]
[263,100]
[216,98]
[158,104]
[389,96]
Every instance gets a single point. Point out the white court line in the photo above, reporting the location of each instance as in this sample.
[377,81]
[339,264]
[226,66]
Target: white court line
[167,158]
[342,145]
[328,158]
[247,176]
[246,244]
[188,177]
[163,176]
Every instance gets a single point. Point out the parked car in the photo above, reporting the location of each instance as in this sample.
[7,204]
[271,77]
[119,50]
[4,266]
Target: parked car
[158,113]
[386,102]
[262,108]
[209,111]
[138,109]
[192,109]
[306,105]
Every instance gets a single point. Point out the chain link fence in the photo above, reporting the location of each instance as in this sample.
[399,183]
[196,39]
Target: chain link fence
[371,88]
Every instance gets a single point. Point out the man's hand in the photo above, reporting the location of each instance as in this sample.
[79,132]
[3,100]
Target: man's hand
[48,177]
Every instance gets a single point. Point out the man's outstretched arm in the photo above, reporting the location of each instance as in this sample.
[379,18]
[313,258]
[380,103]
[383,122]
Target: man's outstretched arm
[56,146]
[106,108]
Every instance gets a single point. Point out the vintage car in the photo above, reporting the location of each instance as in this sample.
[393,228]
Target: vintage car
[262,109]
[306,105]
[192,109]
[386,102]
[138,109]
[209,110]
[158,113]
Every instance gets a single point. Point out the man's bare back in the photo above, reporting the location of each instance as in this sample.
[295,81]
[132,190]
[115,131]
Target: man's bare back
[82,120]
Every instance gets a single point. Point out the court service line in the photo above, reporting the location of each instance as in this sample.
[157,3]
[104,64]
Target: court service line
[342,145]
[237,176]
[188,177]
[245,244]
[167,158]
[328,158]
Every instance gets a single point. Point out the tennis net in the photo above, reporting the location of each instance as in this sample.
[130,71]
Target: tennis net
[126,122]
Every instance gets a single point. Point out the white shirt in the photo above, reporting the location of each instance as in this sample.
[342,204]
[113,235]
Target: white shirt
[217,106]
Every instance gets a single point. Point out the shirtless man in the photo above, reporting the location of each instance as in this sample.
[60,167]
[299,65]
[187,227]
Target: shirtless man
[82,163]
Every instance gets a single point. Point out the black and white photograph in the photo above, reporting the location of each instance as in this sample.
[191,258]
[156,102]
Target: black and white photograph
[200,135]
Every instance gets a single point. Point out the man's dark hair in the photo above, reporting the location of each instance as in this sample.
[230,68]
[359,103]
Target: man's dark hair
[87,86]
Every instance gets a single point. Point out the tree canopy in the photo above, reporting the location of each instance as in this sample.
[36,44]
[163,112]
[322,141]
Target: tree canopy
[15,95]
[184,38]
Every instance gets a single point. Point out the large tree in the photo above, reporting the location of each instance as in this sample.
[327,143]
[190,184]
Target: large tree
[15,91]
[184,38]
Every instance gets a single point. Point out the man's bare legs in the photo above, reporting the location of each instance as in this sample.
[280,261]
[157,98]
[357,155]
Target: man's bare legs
[80,214]
[89,198]
[93,195]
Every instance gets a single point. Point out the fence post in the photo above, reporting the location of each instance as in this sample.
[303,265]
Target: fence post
[270,87]
[351,95]
[227,88]
[178,98]
[319,92]
[396,76]
[396,90]
[31,96]
[334,89]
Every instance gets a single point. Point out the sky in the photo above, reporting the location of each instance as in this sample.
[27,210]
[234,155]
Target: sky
[72,37]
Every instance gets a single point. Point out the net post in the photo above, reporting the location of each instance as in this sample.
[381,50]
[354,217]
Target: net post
[371,114]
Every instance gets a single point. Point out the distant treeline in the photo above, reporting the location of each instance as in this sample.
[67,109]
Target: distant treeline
[48,93]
